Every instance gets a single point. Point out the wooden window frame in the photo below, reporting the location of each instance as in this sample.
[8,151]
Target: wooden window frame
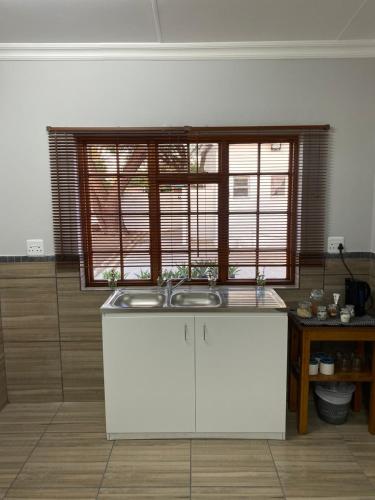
[221,178]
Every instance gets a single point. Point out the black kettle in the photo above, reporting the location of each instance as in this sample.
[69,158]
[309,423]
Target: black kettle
[357,292]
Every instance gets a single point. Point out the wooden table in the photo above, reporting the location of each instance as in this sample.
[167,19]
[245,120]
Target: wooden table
[300,338]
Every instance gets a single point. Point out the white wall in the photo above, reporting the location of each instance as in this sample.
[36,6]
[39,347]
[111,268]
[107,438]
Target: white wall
[151,93]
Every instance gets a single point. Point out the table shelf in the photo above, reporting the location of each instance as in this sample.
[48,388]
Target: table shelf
[342,377]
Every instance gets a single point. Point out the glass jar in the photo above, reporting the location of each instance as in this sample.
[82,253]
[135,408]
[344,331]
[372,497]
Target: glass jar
[322,313]
[316,296]
[345,315]
[332,310]
[304,309]
[351,309]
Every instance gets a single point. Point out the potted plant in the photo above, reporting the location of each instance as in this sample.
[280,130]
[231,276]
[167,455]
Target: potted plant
[112,276]
[260,283]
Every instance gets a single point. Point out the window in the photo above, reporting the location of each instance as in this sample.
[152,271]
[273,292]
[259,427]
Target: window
[178,204]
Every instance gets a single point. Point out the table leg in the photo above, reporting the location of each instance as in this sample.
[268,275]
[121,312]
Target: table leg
[292,400]
[303,410]
[371,418]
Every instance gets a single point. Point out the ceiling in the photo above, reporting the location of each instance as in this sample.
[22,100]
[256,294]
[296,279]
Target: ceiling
[184,21]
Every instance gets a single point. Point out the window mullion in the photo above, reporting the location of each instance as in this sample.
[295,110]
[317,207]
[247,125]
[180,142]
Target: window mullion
[155,252]
[223,206]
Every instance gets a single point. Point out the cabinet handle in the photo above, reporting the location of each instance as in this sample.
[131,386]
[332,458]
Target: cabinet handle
[186,333]
[204,332]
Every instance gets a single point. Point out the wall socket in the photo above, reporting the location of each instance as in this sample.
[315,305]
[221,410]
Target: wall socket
[334,242]
[35,248]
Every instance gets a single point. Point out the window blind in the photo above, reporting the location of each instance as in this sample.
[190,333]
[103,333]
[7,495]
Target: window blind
[232,202]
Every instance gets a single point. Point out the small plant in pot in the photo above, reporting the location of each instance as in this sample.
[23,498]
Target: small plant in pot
[260,283]
[112,276]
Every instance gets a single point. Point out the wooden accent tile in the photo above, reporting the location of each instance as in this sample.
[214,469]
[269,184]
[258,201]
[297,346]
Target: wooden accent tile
[33,371]
[79,311]
[29,309]
[338,280]
[149,463]
[30,413]
[233,463]
[53,493]
[27,270]
[67,270]
[82,412]
[144,493]
[82,370]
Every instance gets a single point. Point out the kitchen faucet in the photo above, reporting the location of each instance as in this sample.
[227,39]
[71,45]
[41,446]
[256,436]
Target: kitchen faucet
[171,287]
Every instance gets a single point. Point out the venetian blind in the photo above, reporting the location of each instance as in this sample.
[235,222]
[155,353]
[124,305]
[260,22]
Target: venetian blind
[232,202]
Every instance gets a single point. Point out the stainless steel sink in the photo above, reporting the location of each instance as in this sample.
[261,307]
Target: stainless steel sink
[139,299]
[195,299]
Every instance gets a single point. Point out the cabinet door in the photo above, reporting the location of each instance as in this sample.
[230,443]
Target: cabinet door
[149,373]
[241,373]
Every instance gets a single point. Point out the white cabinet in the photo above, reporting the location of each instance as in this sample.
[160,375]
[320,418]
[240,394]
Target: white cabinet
[149,373]
[241,373]
[195,375]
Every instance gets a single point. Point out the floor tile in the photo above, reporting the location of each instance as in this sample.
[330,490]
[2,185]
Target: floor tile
[80,412]
[53,493]
[144,493]
[235,493]
[14,451]
[315,468]
[149,463]
[55,474]
[233,463]
[72,447]
[3,492]
[364,454]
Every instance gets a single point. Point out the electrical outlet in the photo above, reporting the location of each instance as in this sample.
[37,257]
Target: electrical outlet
[35,248]
[334,242]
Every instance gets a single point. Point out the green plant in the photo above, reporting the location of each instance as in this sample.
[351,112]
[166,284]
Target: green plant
[112,276]
[261,279]
[143,275]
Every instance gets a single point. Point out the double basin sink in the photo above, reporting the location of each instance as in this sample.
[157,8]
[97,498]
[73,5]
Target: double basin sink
[160,298]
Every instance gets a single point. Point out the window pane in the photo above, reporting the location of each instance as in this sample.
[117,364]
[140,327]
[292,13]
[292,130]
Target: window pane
[134,194]
[242,231]
[133,158]
[103,193]
[105,232]
[273,192]
[274,157]
[137,266]
[173,158]
[135,232]
[174,231]
[243,158]
[275,272]
[243,193]
[204,157]
[203,231]
[105,262]
[203,197]
[241,272]
[101,159]
[273,230]
[173,198]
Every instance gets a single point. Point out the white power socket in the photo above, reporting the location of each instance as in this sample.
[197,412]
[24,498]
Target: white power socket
[334,242]
[35,248]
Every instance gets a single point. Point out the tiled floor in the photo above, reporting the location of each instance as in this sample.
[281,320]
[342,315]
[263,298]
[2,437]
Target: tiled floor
[59,451]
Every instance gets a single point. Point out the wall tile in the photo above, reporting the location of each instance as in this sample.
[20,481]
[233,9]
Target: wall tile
[29,309]
[356,265]
[82,370]
[33,371]
[27,270]
[79,311]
